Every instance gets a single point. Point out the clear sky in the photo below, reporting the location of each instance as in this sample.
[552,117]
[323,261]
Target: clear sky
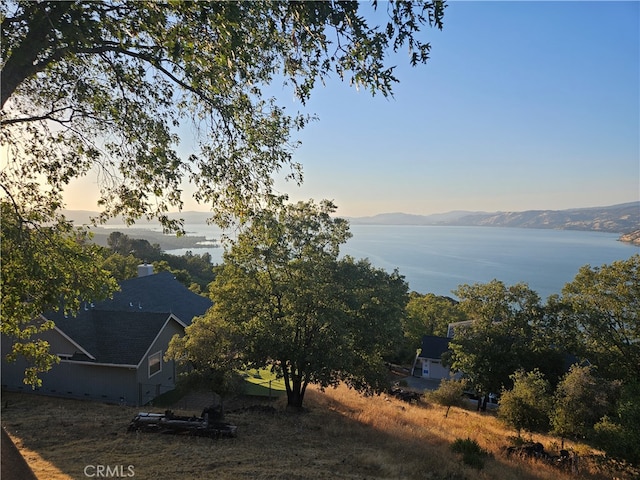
[523,105]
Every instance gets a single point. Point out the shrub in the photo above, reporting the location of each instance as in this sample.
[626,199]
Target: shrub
[619,434]
[581,400]
[528,404]
[472,454]
[449,394]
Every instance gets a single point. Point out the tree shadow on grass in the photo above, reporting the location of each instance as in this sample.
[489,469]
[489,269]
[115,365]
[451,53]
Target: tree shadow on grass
[333,438]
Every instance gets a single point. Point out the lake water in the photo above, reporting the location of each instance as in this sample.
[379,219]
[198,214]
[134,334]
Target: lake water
[437,259]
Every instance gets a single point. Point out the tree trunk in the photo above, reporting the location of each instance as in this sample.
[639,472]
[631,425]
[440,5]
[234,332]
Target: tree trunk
[295,395]
[295,387]
[482,402]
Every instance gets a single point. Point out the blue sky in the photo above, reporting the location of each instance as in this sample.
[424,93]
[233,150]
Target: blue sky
[523,105]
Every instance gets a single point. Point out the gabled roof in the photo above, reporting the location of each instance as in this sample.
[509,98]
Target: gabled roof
[159,293]
[121,330]
[120,338]
[434,347]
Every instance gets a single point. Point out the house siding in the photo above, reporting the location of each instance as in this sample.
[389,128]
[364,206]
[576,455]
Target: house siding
[74,380]
[165,380]
[105,348]
[433,369]
[13,372]
[91,382]
[59,344]
[428,362]
[130,385]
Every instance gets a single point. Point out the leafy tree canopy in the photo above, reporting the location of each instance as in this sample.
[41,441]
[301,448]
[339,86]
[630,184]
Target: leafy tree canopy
[193,270]
[103,88]
[106,84]
[527,405]
[580,401]
[499,340]
[430,314]
[619,433]
[604,303]
[286,300]
[450,393]
[46,264]
[120,267]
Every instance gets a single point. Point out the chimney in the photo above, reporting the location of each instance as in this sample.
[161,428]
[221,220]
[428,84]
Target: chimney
[145,270]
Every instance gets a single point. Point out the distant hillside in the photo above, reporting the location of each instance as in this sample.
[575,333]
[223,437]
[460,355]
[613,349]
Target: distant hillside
[166,242]
[147,230]
[409,219]
[621,218]
[83,217]
[616,218]
[631,237]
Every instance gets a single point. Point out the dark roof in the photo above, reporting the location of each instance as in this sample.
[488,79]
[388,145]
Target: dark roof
[434,347]
[157,293]
[120,330]
[113,337]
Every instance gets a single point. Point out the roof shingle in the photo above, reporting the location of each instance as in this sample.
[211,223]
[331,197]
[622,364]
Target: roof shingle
[121,330]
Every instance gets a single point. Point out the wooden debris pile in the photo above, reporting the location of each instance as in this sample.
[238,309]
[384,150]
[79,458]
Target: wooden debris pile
[209,424]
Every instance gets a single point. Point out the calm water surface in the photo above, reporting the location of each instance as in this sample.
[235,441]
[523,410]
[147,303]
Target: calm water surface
[437,259]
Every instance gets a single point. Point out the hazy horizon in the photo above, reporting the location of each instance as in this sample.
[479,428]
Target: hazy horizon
[378,214]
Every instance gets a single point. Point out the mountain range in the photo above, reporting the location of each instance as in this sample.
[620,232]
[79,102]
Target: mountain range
[621,218]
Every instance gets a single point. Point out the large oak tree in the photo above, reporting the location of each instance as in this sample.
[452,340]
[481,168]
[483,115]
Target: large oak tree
[103,89]
[105,84]
[284,299]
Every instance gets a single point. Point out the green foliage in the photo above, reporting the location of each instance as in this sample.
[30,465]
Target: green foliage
[121,267]
[103,88]
[619,433]
[581,400]
[140,248]
[472,454]
[527,405]
[604,303]
[208,355]
[287,302]
[106,85]
[428,314]
[596,319]
[190,269]
[44,268]
[194,271]
[499,341]
[449,394]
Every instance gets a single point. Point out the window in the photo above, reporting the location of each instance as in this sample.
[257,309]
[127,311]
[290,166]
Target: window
[155,363]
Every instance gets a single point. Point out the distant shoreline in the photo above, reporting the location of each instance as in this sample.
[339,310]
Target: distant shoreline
[193,241]
[623,219]
[633,238]
[165,241]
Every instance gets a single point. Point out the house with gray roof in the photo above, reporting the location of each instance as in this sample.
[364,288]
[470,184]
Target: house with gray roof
[428,362]
[113,350]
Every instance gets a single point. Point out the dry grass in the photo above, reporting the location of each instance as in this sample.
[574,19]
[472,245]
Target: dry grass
[342,435]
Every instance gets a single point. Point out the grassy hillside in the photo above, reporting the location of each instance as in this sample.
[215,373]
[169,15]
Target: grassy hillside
[342,435]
